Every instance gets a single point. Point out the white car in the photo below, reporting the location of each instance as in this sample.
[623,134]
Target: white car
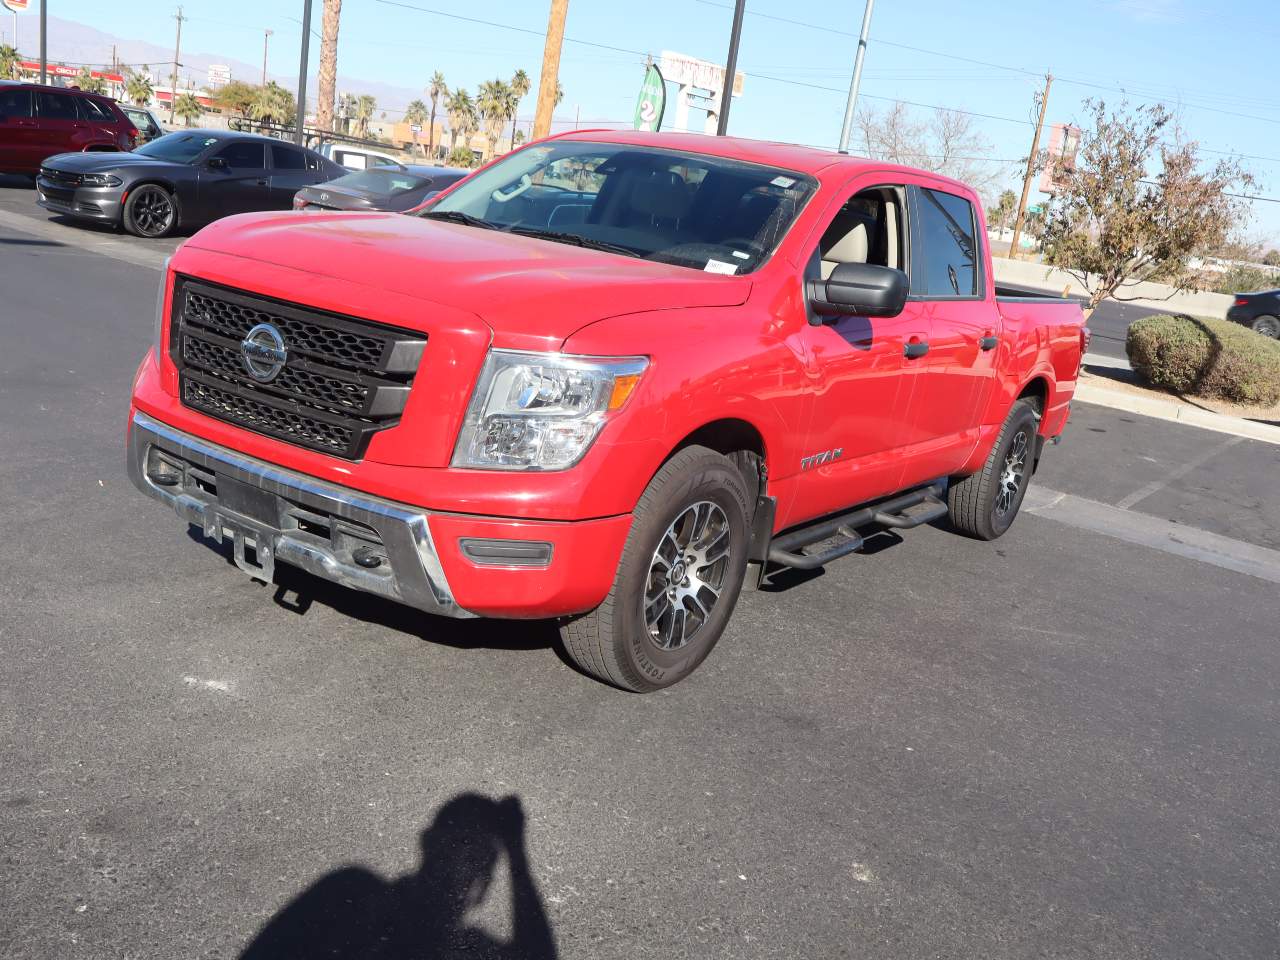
[356,158]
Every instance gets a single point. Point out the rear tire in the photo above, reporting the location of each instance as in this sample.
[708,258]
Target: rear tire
[151,212]
[985,504]
[1266,325]
[678,580]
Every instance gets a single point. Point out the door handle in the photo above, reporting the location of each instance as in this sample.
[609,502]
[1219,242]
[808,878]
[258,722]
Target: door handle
[988,343]
[917,349]
[261,183]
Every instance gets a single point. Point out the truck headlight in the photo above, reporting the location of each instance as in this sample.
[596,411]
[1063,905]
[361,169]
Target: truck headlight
[541,411]
[99,180]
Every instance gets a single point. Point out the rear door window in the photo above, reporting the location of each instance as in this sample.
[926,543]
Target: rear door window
[946,264]
[15,102]
[95,112]
[245,155]
[56,106]
[287,158]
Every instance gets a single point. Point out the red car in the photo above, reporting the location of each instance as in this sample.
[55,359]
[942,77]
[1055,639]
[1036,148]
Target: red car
[609,379]
[39,121]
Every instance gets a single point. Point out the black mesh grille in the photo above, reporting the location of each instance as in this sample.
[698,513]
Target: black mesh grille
[342,379]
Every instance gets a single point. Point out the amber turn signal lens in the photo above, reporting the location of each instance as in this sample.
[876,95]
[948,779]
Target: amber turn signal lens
[622,387]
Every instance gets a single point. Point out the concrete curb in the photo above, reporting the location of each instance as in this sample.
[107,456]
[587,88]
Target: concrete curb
[1176,412]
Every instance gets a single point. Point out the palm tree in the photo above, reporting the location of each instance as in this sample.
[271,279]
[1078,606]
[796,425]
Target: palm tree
[492,103]
[436,91]
[87,82]
[559,93]
[137,87]
[274,104]
[328,63]
[416,115]
[365,106]
[462,117]
[188,108]
[519,86]
[347,110]
[8,62]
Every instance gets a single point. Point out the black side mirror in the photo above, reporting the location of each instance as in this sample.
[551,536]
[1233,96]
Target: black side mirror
[217,163]
[860,289]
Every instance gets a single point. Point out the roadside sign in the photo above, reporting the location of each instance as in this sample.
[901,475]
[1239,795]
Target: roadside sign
[219,74]
[686,71]
[415,128]
[653,101]
[17,6]
[1064,144]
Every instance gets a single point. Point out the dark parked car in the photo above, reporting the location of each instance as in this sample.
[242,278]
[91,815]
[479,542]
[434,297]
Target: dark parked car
[149,128]
[382,188]
[181,179]
[38,121]
[1258,311]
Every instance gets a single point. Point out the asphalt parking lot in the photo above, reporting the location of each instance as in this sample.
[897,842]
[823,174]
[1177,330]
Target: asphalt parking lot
[1060,744]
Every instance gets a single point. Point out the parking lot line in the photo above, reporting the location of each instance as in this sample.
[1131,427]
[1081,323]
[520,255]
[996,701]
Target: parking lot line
[1156,486]
[1165,535]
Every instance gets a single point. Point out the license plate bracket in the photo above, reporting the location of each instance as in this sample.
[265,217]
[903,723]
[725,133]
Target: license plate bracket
[247,500]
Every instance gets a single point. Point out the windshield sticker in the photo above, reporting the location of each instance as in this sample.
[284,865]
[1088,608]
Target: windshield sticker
[783,182]
[210,141]
[741,256]
[719,266]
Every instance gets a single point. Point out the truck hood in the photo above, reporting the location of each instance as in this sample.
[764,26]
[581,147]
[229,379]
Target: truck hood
[533,293]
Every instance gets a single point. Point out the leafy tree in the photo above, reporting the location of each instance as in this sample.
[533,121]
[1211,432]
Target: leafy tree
[365,106]
[1004,208]
[87,82]
[1271,258]
[273,104]
[137,87]
[461,110]
[462,157]
[416,114]
[519,86]
[8,61]
[492,103]
[236,97]
[1137,206]
[328,78]
[436,91]
[188,108]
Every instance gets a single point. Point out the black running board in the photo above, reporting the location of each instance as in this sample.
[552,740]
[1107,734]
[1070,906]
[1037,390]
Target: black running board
[787,549]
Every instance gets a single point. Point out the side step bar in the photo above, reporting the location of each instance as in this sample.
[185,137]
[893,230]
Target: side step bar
[787,548]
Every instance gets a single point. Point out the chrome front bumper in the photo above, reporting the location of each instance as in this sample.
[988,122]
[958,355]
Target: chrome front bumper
[351,538]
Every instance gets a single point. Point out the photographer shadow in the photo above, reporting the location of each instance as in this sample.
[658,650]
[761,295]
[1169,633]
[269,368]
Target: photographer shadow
[353,914]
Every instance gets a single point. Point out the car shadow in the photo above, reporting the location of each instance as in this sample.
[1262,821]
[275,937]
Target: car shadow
[352,913]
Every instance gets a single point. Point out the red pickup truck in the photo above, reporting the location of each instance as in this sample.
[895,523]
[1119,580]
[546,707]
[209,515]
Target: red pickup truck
[608,379]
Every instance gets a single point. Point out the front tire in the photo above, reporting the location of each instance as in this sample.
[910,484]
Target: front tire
[678,580]
[150,212]
[1267,325]
[985,504]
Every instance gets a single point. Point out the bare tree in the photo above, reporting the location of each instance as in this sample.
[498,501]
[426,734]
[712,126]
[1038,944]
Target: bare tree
[1138,205]
[946,143]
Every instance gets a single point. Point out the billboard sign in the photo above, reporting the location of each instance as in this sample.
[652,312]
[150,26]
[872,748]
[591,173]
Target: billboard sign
[219,74]
[652,102]
[1064,144]
[17,6]
[686,71]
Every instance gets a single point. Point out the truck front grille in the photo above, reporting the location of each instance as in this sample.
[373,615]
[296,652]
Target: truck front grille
[341,381]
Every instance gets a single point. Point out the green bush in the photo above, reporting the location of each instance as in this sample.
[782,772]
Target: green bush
[1205,358]
[1246,279]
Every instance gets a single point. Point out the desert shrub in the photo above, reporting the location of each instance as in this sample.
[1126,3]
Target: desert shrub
[1205,358]
[1246,279]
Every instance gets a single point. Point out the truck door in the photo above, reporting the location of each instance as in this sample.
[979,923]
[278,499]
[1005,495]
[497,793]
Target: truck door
[864,390]
[950,288]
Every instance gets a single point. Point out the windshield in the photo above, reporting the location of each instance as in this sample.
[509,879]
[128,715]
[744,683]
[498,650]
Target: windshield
[178,147]
[708,213]
[387,182]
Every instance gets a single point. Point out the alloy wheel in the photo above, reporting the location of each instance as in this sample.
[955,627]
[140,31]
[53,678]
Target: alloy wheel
[153,212]
[1012,474]
[686,575]
[1268,327]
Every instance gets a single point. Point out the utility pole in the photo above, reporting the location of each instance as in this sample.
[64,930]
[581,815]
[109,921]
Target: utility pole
[1031,169]
[265,37]
[550,68]
[302,73]
[177,54]
[44,38]
[730,68]
[847,127]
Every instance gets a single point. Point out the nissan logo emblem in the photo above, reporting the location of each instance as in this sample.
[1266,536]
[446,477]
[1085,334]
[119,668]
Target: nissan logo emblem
[263,353]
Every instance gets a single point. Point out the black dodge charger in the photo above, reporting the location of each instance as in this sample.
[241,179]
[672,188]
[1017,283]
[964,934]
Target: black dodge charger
[182,179]
[1258,311]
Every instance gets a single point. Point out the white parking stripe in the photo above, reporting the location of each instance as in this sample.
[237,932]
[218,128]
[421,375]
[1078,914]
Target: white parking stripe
[1157,485]
[1149,531]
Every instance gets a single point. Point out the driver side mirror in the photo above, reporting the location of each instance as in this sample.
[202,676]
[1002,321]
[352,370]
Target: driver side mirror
[217,163]
[860,289]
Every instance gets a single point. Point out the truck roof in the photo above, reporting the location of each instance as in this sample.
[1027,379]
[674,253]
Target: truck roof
[792,156]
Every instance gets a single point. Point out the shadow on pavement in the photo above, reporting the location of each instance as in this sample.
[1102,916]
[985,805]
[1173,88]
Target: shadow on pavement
[354,914]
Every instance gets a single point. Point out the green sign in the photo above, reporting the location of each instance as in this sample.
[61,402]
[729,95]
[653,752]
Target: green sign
[652,102]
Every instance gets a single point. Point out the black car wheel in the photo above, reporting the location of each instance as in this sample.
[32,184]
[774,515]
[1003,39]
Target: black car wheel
[1267,326]
[150,211]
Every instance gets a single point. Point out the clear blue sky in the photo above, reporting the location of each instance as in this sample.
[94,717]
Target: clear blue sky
[1207,59]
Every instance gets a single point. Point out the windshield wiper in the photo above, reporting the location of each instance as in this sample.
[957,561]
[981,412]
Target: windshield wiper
[574,239]
[457,216]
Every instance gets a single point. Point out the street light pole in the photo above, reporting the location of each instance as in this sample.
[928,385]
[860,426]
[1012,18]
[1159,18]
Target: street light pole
[302,72]
[177,56]
[847,127]
[730,68]
[44,37]
[266,36]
